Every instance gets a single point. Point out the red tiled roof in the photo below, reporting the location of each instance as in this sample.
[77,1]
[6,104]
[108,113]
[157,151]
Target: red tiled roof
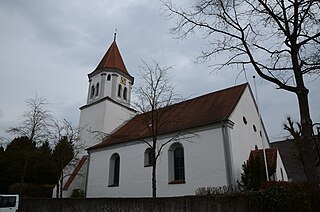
[271,155]
[204,110]
[74,173]
[113,59]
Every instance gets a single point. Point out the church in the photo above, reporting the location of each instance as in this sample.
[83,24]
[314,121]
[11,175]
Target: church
[221,130]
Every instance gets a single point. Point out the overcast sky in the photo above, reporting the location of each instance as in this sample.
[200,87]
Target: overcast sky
[47,48]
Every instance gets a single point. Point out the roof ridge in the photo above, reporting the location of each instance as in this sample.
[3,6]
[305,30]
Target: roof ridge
[203,96]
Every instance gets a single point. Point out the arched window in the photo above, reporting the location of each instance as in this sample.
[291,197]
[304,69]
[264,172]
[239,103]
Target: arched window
[109,77]
[97,89]
[114,170]
[119,90]
[176,164]
[125,90]
[148,157]
[92,91]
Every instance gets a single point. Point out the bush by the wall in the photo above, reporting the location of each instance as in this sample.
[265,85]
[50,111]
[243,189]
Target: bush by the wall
[281,196]
[31,190]
[77,193]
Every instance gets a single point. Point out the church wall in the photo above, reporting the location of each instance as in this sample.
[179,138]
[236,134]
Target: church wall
[204,166]
[100,119]
[243,136]
[93,82]
[281,173]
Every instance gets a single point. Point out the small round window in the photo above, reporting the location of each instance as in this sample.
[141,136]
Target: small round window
[244,120]
[254,128]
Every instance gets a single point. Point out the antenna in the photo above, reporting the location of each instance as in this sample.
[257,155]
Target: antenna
[260,126]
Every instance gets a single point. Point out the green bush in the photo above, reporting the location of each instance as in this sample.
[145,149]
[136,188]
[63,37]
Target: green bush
[216,190]
[31,190]
[281,196]
[77,193]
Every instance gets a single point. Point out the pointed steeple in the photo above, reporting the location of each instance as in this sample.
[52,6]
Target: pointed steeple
[113,59]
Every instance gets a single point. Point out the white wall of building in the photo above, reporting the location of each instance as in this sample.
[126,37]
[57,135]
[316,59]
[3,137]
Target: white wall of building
[281,173]
[204,166]
[100,119]
[99,81]
[243,136]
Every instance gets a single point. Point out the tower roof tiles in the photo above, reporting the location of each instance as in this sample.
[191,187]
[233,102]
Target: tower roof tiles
[113,59]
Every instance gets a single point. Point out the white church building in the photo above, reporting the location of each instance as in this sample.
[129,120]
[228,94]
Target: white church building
[224,128]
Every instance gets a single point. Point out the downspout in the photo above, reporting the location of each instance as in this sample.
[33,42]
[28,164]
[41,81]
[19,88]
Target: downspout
[228,151]
[260,126]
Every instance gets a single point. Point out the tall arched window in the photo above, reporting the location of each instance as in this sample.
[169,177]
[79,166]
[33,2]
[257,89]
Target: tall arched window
[97,89]
[125,91]
[119,90]
[148,157]
[92,91]
[109,77]
[114,170]
[176,164]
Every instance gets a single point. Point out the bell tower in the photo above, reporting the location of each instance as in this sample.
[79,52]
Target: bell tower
[110,78]
[108,98]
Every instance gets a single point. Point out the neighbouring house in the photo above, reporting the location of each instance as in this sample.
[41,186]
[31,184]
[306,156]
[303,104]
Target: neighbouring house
[274,163]
[292,161]
[224,126]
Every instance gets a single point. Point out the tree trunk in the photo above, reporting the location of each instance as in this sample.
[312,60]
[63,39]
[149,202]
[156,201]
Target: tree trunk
[308,150]
[154,180]
[58,189]
[61,184]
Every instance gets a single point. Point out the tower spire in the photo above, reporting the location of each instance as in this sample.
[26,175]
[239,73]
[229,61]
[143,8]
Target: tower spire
[115,35]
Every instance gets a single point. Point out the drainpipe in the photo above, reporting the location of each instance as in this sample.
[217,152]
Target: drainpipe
[260,127]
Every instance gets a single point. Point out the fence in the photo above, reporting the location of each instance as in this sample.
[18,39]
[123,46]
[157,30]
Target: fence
[173,204]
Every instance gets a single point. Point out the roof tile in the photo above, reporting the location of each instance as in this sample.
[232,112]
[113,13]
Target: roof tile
[113,59]
[204,110]
[271,154]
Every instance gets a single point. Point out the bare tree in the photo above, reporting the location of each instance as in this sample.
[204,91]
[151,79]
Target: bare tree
[295,132]
[153,98]
[65,153]
[279,39]
[35,122]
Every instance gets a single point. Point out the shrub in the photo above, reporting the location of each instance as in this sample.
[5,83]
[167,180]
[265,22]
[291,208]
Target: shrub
[31,190]
[216,190]
[77,193]
[281,196]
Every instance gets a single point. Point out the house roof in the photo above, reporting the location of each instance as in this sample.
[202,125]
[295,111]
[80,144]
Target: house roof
[271,155]
[290,158]
[201,111]
[74,173]
[113,59]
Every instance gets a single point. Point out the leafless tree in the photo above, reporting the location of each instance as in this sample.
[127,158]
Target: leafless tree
[279,39]
[153,98]
[66,136]
[35,122]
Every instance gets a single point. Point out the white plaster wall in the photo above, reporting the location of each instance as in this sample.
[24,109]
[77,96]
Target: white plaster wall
[107,89]
[204,166]
[78,182]
[280,167]
[243,137]
[108,85]
[93,81]
[103,117]
[128,86]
